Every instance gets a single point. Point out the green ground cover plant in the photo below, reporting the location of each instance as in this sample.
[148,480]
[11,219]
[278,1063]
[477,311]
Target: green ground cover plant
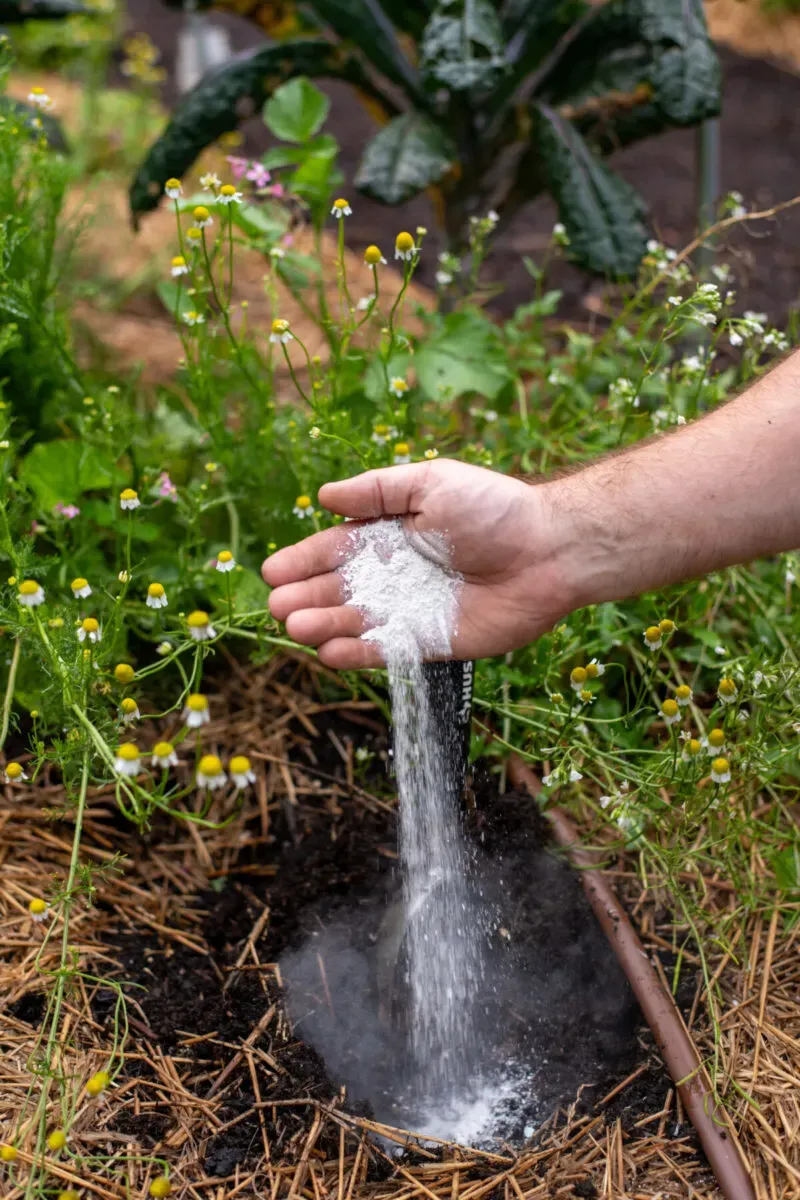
[132,529]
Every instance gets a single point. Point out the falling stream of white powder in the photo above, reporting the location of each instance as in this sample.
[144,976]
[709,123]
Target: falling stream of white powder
[411,604]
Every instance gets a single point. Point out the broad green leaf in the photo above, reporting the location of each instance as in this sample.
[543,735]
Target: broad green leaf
[462,47]
[407,155]
[363,23]
[176,300]
[466,355]
[228,96]
[296,111]
[603,214]
[61,471]
[292,156]
[260,220]
[36,122]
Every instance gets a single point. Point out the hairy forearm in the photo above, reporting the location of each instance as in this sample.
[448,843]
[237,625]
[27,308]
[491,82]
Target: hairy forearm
[721,490]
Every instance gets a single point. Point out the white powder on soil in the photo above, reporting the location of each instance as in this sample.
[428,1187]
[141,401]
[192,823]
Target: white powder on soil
[411,605]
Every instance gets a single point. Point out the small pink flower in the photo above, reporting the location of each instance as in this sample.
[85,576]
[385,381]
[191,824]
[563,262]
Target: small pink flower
[69,511]
[277,190]
[258,174]
[287,239]
[166,487]
[238,165]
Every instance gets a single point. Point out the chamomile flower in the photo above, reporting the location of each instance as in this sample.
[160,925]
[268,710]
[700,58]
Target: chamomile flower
[14,773]
[129,499]
[340,209]
[210,182]
[129,711]
[8,1154]
[164,755]
[96,1084]
[373,256]
[229,195]
[193,317]
[160,1188]
[173,189]
[691,748]
[90,628]
[164,648]
[720,770]
[431,453]
[178,266]
[670,712]
[210,773]
[366,302]
[242,773]
[39,98]
[56,1140]
[714,742]
[404,247]
[225,560]
[156,596]
[128,760]
[280,331]
[200,627]
[202,217]
[39,909]
[577,678]
[683,695]
[30,593]
[381,434]
[727,690]
[194,236]
[315,433]
[398,386]
[402,453]
[303,507]
[196,711]
[80,588]
[124,673]
[652,638]
[595,669]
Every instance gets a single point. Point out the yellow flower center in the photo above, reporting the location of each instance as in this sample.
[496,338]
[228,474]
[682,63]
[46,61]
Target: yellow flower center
[303,502]
[128,494]
[156,590]
[98,1083]
[693,746]
[12,579]
[557,698]
[37,91]
[28,587]
[78,585]
[404,242]
[179,261]
[128,752]
[727,687]
[240,764]
[194,234]
[578,675]
[37,907]
[399,385]
[197,619]
[163,749]
[13,770]
[381,430]
[666,626]
[279,325]
[197,703]
[172,184]
[8,1154]
[56,622]
[652,633]
[340,203]
[372,256]
[720,766]
[227,189]
[401,448]
[716,737]
[57,1140]
[124,673]
[592,671]
[585,694]
[128,705]
[670,708]
[210,765]
[201,213]
[90,625]
[160,1188]
[683,692]
[224,556]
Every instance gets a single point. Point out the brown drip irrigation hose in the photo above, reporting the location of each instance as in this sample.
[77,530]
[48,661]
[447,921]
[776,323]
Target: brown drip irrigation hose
[672,1038]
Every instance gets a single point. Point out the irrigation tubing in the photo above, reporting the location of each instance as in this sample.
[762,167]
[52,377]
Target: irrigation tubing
[672,1038]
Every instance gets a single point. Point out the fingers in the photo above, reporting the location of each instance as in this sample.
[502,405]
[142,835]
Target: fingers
[388,492]
[321,591]
[349,654]
[314,626]
[315,555]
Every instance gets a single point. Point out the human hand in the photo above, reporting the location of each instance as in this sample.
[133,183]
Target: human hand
[502,539]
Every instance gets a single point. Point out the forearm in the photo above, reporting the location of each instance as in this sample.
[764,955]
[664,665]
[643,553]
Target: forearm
[721,490]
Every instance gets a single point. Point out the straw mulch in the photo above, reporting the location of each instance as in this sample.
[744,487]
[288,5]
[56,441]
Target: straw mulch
[237,1078]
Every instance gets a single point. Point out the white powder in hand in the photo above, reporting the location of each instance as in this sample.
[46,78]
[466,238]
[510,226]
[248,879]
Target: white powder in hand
[410,601]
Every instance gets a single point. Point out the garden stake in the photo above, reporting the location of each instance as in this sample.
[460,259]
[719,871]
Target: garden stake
[672,1038]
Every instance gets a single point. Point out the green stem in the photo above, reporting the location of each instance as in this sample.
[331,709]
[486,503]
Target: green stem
[9,696]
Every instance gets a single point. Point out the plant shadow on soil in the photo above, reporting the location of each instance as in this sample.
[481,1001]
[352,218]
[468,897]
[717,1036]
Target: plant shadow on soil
[566,1013]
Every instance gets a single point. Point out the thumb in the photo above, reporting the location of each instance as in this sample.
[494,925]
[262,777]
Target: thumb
[387,492]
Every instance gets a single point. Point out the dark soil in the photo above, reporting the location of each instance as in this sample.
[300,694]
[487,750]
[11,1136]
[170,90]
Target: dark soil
[760,136]
[566,1010]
